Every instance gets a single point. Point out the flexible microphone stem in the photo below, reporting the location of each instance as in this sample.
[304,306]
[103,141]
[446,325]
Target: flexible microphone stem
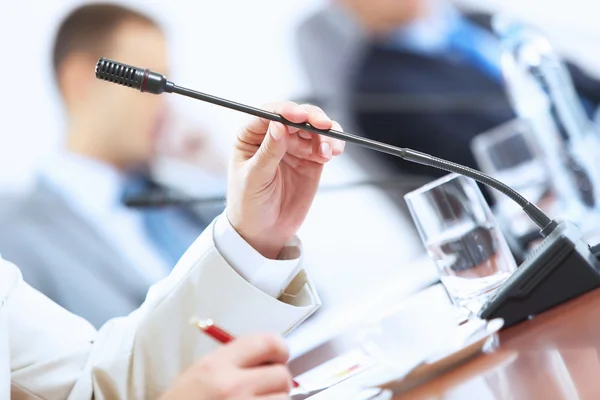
[145,80]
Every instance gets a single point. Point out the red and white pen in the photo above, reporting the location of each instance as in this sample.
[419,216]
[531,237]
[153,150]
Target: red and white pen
[208,326]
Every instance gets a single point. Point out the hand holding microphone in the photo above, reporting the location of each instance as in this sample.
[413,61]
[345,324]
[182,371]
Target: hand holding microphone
[277,163]
[148,81]
[275,173]
[273,170]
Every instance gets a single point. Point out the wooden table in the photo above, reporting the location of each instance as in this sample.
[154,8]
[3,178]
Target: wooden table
[554,356]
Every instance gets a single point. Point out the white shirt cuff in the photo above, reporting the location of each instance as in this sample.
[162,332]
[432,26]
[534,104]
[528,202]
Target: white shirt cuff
[269,276]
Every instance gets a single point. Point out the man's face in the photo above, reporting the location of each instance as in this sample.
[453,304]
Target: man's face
[129,120]
[385,15]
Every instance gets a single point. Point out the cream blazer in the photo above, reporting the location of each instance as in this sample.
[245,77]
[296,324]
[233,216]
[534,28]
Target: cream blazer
[48,353]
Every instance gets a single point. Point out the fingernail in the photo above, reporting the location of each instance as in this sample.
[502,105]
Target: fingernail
[276,130]
[325,150]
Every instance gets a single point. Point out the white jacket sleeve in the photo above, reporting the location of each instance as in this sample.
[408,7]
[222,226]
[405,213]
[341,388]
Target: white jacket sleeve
[56,355]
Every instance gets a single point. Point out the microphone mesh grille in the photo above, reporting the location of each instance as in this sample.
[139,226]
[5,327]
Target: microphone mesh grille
[118,73]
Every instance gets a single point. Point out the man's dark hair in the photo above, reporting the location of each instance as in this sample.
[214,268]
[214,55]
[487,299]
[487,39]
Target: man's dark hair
[89,29]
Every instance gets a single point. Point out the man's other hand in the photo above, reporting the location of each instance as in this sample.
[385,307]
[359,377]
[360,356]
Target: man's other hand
[249,368]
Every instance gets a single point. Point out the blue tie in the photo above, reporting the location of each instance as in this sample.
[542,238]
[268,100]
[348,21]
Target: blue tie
[471,45]
[171,229]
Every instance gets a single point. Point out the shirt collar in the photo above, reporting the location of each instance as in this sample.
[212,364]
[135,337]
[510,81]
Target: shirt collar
[430,33]
[89,183]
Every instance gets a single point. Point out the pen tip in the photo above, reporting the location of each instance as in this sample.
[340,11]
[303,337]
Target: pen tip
[201,323]
[205,323]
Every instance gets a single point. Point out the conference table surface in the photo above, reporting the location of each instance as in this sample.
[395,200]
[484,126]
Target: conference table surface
[556,355]
[553,356]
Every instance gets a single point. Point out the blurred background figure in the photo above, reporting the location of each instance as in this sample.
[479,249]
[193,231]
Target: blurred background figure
[72,236]
[414,73]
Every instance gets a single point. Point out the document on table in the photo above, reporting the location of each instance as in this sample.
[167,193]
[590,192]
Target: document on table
[358,375]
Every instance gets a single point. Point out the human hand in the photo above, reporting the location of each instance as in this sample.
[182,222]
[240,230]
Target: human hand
[238,370]
[275,174]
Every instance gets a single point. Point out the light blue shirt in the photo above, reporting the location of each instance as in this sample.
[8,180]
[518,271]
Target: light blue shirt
[430,33]
[93,189]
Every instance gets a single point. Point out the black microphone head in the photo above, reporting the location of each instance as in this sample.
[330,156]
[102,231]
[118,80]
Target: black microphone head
[121,74]
[143,80]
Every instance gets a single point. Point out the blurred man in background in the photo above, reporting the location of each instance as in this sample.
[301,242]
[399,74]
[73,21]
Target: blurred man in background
[72,236]
[416,73]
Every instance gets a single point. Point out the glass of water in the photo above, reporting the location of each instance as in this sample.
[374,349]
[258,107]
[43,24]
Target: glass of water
[463,239]
[509,154]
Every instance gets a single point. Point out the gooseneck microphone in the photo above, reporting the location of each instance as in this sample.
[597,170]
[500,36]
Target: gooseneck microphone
[148,81]
[561,268]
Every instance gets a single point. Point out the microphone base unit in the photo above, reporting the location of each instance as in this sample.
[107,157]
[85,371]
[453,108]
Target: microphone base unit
[561,268]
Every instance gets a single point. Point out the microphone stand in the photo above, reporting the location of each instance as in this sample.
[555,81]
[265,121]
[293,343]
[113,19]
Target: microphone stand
[562,267]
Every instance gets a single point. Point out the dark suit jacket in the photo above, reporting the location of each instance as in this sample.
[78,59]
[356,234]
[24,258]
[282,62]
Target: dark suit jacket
[432,105]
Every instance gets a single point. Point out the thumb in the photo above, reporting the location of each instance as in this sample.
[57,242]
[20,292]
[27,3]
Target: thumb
[273,147]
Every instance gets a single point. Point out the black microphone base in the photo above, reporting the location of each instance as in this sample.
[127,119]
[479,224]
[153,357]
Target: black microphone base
[561,268]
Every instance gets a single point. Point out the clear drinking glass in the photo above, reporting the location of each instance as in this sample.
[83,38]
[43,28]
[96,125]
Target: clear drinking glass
[463,239]
[509,154]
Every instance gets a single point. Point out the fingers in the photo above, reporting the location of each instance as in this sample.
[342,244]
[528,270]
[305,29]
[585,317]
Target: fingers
[302,144]
[317,117]
[269,379]
[293,113]
[258,350]
[312,144]
[338,145]
[273,147]
[322,147]
[257,128]
[317,148]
